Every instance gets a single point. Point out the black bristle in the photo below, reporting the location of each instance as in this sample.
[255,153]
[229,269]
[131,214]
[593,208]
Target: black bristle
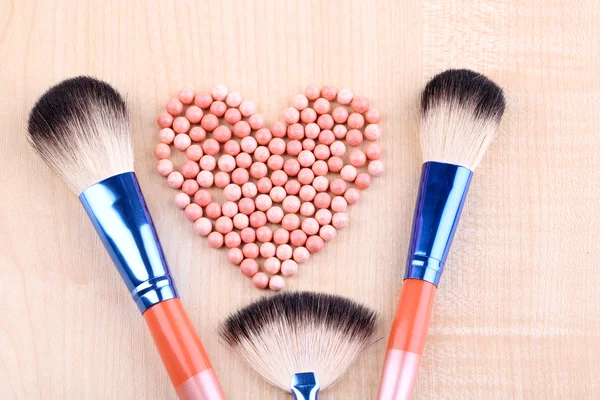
[468,89]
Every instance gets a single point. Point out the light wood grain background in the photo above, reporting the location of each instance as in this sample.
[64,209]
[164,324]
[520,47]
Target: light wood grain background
[518,310]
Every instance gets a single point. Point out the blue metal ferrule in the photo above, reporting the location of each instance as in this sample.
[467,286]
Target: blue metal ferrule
[305,386]
[442,193]
[118,211]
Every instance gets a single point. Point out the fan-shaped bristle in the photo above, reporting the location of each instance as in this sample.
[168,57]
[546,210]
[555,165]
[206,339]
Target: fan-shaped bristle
[80,128]
[460,113]
[288,333]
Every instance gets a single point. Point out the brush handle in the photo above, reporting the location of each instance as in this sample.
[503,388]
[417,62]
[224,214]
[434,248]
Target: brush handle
[182,352]
[407,340]
[305,386]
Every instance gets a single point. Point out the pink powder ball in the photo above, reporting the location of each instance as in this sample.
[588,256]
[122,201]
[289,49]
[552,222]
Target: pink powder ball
[182,142]
[345,96]
[250,250]
[321,183]
[290,222]
[354,137]
[312,92]
[194,152]
[203,99]
[337,148]
[338,186]
[272,265]
[376,168]
[327,233]
[260,280]
[249,189]
[277,194]
[219,92]
[325,121]
[264,234]
[315,244]
[278,129]
[246,206]
[189,187]
[275,214]
[262,154]
[248,144]
[208,163]
[181,125]
[247,108]
[241,221]
[300,102]
[312,130]
[164,120]
[267,249]
[258,219]
[322,200]
[373,116]
[248,235]
[166,135]
[209,122]
[291,204]
[263,136]
[297,238]
[340,220]
[213,210]
[277,146]
[292,187]
[164,167]
[352,196]
[293,147]
[249,267]
[215,240]
[205,179]
[193,211]
[360,104]
[263,202]
[224,225]
[310,226]
[308,144]
[363,181]
[306,176]
[197,133]
[232,239]
[256,121]
[326,137]
[289,268]
[329,92]
[373,151]
[241,129]
[275,162]
[232,148]
[175,180]
[355,121]
[240,176]
[202,197]
[321,152]
[281,236]
[235,256]
[306,158]
[322,106]
[233,99]
[372,132]
[284,252]
[348,173]
[264,185]
[307,193]
[340,131]
[222,133]
[291,167]
[301,254]
[339,204]
[323,216]
[232,116]
[243,160]
[218,108]
[181,200]
[202,226]
[279,178]
[258,170]
[357,158]
[308,115]
[211,147]
[335,164]
[291,115]
[190,169]
[277,283]
[307,209]
[340,115]
[229,209]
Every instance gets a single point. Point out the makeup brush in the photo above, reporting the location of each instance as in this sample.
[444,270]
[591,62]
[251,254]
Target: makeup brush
[302,341]
[460,112]
[80,128]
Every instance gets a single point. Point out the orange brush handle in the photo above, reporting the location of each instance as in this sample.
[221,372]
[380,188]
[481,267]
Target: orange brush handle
[407,340]
[182,352]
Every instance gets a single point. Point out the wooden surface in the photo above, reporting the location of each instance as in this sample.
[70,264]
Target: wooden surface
[517,313]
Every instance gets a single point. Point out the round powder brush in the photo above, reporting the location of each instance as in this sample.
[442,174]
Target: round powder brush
[300,342]
[80,128]
[460,113]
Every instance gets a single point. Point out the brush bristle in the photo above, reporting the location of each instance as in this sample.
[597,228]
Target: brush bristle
[80,128]
[281,335]
[460,113]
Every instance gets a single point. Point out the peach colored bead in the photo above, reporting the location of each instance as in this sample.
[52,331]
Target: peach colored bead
[241,221]
[211,147]
[260,280]
[274,214]
[335,164]
[284,252]
[291,115]
[357,158]
[340,220]
[356,121]
[291,167]
[175,180]
[354,137]
[263,202]
[340,131]
[202,226]
[291,204]
[223,225]
[321,106]
[321,152]
[339,204]
[222,133]
[247,108]
[277,146]
[337,148]
[248,144]
[295,132]
[298,237]
[281,236]
[166,135]
[262,154]
[235,256]
[246,206]
[256,121]
[308,115]
[250,250]
[376,168]
[232,192]
[293,148]
[186,96]
[321,183]
[373,116]
[208,163]
[277,194]
[325,121]
[279,178]
[202,197]
[272,265]
[232,147]
[363,181]
[249,267]
[320,168]
[215,240]
[292,187]
[310,226]
[162,151]
[307,193]
[301,254]
[323,216]
[264,234]
[193,212]
[275,162]
[307,209]
[243,160]
[340,115]
[263,136]
[189,187]
[300,102]
[213,210]
[311,131]
[209,122]
[258,219]
[345,96]
[190,169]
[203,99]
[229,209]
[248,235]
[338,186]
[315,244]
[233,99]
[226,163]
[308,144]
[372,132]
[164,120]
[306,176]
[182,142]
[278,129]
[360,104]
[258,170]
[312,92]
[322,200]
[348,173]
[181,200]
[232,116]
[197,133]
[194,114]
[181,125]
[276,283]
[194,152]
[205,179]
[329,92]
[289,268]
[326,137]
[249,189]
[164,167]
[373,151]
[219,92]
[352,196]
[267,249]
[264,185]
[232,240]
[306,158]
[327,233]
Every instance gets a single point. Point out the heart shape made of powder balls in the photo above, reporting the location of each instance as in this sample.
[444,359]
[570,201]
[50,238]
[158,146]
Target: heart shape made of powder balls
[276,194]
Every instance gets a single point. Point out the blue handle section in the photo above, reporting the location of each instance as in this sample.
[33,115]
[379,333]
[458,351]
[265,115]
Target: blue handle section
[305,386]
[118,211]
[442,193]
